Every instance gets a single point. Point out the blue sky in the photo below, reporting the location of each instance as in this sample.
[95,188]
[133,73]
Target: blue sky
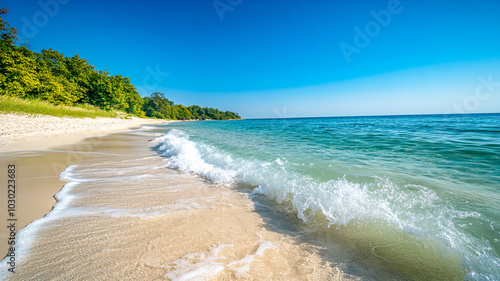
[285,58]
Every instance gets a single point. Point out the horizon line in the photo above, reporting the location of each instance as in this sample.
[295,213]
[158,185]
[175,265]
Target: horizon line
[380,115]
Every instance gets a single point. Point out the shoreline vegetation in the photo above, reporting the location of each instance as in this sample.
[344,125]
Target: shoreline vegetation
[73,86]
[15,105]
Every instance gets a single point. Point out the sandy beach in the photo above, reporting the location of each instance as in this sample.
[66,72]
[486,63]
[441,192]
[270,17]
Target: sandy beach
[26,140]
[28,132]
[123,215]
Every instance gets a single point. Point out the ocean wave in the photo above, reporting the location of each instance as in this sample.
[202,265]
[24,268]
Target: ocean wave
[411,209]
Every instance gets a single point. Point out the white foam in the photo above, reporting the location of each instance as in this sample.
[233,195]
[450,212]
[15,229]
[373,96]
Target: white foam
[148,128]
[244,264]
[184,155]
[199,266]
[151,212]
[279,162]
[204,266]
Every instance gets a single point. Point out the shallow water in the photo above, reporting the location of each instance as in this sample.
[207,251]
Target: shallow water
[418,195]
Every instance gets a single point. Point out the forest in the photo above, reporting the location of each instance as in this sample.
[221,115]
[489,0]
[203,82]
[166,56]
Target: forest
[61,80]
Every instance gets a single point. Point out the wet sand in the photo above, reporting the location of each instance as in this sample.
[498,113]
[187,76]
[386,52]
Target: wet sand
[36,184]
[31,143]
[125,216]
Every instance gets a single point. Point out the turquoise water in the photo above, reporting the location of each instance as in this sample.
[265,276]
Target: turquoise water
[419,195]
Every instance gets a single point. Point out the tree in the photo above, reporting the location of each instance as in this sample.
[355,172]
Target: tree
[56,85]
[196,111]
[18,74]
[132,98]
[158,106]
[8,34]
[182,113]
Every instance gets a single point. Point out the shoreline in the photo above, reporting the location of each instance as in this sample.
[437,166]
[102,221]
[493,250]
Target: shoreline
[221,228]
[26,144]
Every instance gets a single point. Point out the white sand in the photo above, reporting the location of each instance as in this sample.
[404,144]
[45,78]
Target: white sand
[28,132]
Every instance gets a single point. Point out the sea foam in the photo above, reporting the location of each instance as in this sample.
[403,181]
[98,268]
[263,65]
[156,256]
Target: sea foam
[204,266]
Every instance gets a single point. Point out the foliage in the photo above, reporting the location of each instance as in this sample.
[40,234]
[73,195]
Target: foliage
[157,106]
[8,34]
[72,81]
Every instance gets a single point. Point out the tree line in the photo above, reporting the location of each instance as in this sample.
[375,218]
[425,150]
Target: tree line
[49,75]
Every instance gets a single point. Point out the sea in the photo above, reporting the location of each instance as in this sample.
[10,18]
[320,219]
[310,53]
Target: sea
[418,195]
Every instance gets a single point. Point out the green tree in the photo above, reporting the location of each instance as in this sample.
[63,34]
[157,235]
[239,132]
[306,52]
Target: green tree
[158,106]
[182,113]
[132,97]
[8,34]
[18,74]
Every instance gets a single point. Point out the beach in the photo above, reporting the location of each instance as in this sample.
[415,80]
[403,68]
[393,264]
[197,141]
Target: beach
[330,140]
[385,197]
[29,132]
[361,198]
[26,140]
[124,215]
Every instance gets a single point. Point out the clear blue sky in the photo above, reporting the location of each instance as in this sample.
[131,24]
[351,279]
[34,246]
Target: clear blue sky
[285,58]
